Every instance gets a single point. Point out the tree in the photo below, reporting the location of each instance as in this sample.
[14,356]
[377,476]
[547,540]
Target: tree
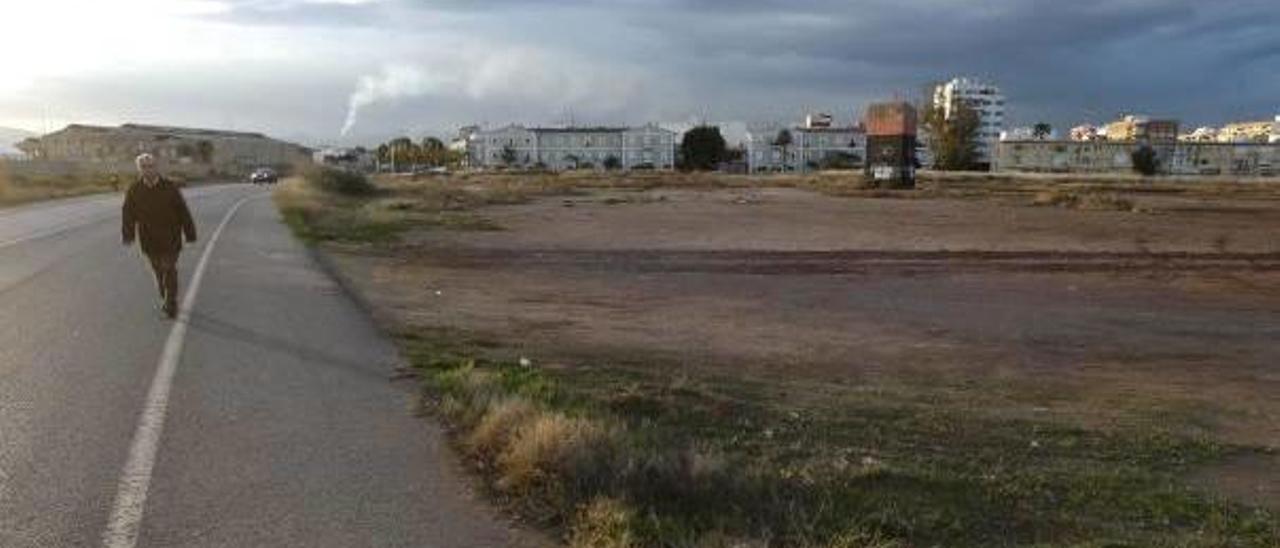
[434,151]
[1041,131]
[383,153]
[735,154]
[783,140]
[204,150]
[401,151]
[703,148]
[1145,160]
[953,140]
[612,163]
[454,158]
[508,156]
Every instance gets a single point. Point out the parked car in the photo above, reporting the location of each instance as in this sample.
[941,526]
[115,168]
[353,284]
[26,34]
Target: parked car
[263,176]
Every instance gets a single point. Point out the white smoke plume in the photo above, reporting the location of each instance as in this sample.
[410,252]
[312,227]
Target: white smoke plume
[394,82]
[537,80]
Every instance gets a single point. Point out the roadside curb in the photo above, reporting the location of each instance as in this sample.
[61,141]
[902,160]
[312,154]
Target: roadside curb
[348,287]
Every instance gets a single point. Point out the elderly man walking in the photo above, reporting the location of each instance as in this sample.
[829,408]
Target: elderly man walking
[157,216]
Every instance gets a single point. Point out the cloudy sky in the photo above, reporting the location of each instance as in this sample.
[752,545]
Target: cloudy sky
[308,69]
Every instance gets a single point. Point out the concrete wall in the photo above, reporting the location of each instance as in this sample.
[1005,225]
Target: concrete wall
[1183,158]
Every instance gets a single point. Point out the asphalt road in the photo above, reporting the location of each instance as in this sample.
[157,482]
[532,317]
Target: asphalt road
[282,426]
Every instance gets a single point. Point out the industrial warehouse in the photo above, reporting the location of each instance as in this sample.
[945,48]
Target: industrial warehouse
[186,151]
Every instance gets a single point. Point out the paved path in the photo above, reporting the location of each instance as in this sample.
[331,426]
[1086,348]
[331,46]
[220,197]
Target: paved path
[278,425]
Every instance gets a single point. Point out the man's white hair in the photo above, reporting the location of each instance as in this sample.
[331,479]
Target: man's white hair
[145,156]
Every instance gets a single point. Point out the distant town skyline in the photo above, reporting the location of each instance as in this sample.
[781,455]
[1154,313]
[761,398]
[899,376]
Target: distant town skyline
[305,70]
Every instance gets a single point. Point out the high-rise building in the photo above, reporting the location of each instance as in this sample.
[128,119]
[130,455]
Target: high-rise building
[1143,128]
[985,99]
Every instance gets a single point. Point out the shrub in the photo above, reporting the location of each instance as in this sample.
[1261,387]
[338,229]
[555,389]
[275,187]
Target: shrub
[1105,202]
[341,182]
[499,426]
[550,448]
[1095,201]
[1145,161]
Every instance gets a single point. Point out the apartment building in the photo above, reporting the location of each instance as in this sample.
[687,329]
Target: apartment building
[1142,128]
[1247,132]
[1203,134]
[817,144]
[558,149]
[1087,132]
[983,97]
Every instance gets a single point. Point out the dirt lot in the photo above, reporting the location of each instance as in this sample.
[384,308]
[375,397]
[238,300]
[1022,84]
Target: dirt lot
[787,282]
[1164,318]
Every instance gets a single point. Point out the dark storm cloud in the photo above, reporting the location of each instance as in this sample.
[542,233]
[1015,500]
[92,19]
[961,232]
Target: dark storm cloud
[1057,60]
[1062,61]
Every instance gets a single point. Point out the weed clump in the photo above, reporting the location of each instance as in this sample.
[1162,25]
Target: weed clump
[1091,201]
[341,182]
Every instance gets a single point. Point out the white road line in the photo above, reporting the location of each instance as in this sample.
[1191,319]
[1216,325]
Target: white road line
[135,479]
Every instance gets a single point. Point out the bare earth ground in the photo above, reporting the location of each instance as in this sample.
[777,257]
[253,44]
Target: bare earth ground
[1169,316]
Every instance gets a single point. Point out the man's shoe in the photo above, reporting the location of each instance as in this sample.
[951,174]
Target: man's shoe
[171,309]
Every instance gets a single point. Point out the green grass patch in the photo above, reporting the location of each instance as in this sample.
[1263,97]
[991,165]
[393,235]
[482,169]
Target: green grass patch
[624,456]
[342,225]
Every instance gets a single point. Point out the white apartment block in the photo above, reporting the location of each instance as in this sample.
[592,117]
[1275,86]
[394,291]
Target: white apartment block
[983,97]
[811,148]
[558,149]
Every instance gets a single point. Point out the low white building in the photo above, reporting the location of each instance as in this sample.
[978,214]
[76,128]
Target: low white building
[558,149]
[1023,133]
[814,146]
[351,159]
[1088,132]
[1202,134]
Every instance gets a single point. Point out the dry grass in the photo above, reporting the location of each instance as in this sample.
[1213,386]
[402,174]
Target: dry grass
[497,429]
[1090,201]
[550,449]
[604,522]
[19,189]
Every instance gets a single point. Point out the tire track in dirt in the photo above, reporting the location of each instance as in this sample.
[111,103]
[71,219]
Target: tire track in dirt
[845,262]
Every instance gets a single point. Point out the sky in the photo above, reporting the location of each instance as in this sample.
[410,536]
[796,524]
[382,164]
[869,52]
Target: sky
[361,71]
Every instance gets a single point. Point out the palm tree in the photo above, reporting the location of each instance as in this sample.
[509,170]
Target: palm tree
[433,151]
